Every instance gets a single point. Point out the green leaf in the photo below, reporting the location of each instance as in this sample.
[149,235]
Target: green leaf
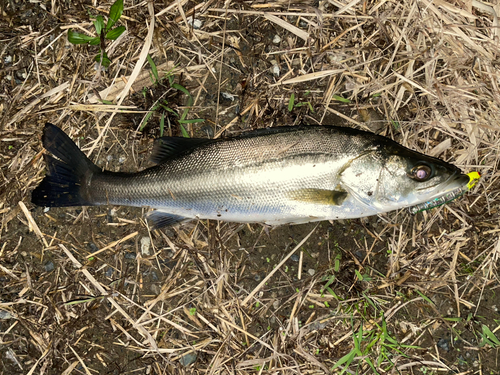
[184,132]
[153,68]
[78,38]
[105,60]
[115,33]
[95,42]
[359,275]
[115,12]
[340,99]
[99,24]
[192,121]
[291,102]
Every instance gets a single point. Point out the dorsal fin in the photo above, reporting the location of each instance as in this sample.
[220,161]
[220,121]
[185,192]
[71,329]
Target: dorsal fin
[166,147]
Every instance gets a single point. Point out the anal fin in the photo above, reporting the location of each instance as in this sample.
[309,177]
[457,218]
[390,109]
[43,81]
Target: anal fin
[159,219]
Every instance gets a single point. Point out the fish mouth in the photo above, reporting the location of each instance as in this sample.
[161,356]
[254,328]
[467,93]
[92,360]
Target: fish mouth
[456,181]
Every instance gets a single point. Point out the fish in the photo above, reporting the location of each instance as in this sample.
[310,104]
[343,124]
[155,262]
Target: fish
[279,175]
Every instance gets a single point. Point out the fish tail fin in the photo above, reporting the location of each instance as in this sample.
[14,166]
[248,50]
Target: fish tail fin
[68,170]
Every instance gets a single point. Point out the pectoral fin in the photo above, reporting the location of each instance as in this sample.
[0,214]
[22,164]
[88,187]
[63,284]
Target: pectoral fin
[320,196]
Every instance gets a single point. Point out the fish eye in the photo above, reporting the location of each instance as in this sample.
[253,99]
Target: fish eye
[421,173]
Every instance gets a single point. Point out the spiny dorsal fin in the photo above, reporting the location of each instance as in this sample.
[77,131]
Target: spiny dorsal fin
[166,147]
[319,196]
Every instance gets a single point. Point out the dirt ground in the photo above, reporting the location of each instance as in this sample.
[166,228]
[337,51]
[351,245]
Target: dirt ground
[90,290]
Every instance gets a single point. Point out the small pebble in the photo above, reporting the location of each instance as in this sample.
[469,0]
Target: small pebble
[122,159]
[276,304]
[276,39]
[8,59]
[318,325]
[208,130]
[227,96]
[295,257]
[275,69]
[109,272]
[129,255]
[93,247]
[49,266]
[311,272]
[46,209]
[109,157]
[196,23]
[5,315]
[188,359]
[145,243]
[444,344]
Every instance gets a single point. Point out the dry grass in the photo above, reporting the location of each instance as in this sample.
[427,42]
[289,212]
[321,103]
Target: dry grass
[82,292]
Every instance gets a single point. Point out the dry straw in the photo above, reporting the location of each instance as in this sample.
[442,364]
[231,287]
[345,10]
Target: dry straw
[81,295]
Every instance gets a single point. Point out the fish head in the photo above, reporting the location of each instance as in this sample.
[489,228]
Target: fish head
[389,176]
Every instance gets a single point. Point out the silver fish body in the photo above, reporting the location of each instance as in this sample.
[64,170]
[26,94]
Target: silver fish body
[275,176]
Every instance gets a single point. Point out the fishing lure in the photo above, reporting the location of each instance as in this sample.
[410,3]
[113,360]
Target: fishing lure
[447,198]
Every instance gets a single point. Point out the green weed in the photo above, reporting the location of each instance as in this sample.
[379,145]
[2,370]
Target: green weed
[104,32]
[162,105]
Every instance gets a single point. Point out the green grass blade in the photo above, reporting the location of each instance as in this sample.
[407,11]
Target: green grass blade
[489,337]
[291,102]
[340,99]
[181,88]
[148,116]
[162,124]
[347,360]
[192,121]
[359,275]
[425,297]
[154,70]
[185,134]
[310,107]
